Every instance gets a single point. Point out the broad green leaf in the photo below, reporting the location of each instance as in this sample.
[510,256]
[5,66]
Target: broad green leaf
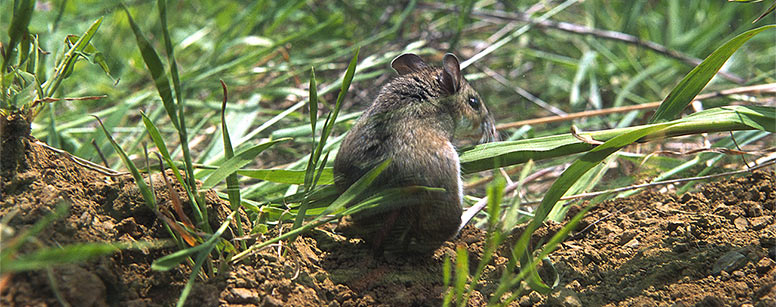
[236,162]
[564,182]
[730,118]
[585,163]
[697,79]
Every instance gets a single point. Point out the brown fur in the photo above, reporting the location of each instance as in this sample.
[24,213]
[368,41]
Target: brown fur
[414,121]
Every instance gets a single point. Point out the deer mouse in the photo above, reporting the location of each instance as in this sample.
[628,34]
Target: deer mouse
[415,121]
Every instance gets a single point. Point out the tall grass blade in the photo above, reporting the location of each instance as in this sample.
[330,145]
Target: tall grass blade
[356,188]
[697,79]
[45,257]
[162,148]
[156,68]
[286,176]
[461,273]
[338,205]
[730,118]
[148,196]
[239,160]
[232,184]
[548,248]
[181,103]
[68,60]
[565,181]
[327,128]
[22,14]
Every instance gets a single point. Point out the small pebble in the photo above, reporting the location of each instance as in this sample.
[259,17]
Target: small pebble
[758,223]
[764,265]
[633,243]
[574,285]
[564,297]
[741,223]
[738,274]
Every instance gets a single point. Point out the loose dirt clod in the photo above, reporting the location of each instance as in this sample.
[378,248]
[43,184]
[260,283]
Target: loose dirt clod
[650,249]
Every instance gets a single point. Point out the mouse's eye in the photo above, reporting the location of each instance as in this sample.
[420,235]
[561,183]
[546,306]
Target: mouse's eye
[474,102]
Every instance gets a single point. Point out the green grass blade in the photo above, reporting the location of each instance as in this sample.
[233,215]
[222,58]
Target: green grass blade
[341,97]
[156,68]
[144,189]
[766,12]
[394,195]
[232,184]
[304,130]
[356,188]
[499,154]
[327,128]
[446,275]
[10,248]
[162,148]
[68,60]
[233,187]
[585,163]
[461,273]
[22,14]
[239,160]
[697,79]
[172,260]
[336,206]
[286,176]
[565,181]
[162,6]
[45,257]
[548,248]
[313,100]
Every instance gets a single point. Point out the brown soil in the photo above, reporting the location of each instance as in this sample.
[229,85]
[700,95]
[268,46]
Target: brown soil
[714,247]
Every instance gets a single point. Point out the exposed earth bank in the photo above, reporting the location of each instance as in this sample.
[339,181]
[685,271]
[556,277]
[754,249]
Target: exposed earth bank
[712,247]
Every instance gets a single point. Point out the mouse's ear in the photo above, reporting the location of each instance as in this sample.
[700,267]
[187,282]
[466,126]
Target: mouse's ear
[408,63]
[451,73]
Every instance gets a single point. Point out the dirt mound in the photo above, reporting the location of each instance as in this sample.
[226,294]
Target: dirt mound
[714,247]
